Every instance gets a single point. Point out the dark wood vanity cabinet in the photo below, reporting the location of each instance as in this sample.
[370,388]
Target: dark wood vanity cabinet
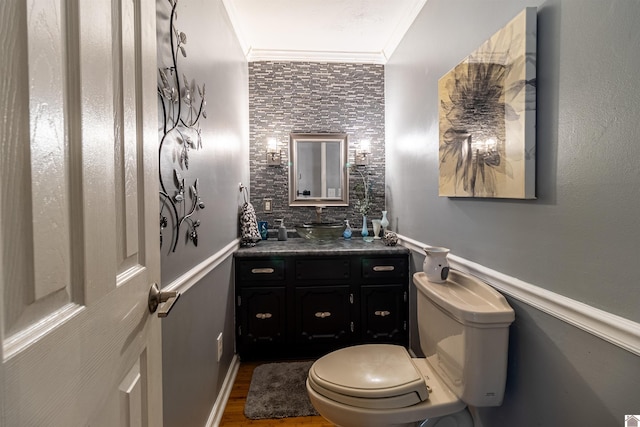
[299,306]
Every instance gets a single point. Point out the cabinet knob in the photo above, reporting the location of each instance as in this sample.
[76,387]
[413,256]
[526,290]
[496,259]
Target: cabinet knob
[323,314]
[383,268]
[382,313]
[263,316]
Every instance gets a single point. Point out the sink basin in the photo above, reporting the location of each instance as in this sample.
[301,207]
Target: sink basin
[321,231]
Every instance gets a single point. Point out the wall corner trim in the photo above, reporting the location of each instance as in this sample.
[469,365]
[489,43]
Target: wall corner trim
[194,275]
[402,28]
[617,330]
[225,392]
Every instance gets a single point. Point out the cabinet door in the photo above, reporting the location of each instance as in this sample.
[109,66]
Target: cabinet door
[322,314]
[384,313]
[262,316]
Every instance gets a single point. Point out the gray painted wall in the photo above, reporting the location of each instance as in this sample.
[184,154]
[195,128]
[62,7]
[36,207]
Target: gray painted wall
[192,379]
[192,376]
[580,237]
[309,97]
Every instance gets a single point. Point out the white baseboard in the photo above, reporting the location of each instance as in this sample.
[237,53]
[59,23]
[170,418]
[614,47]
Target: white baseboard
[223,397]
[617,330]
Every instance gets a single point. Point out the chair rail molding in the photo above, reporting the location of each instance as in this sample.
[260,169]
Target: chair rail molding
[617,330]
[194,275]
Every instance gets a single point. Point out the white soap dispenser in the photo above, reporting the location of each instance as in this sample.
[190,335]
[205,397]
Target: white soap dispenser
[282,230]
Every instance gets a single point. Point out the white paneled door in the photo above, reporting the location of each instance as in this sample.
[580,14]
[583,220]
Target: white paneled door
[79,235]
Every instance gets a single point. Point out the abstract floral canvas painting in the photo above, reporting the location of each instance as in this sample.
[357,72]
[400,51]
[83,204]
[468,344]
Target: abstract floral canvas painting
[487,117]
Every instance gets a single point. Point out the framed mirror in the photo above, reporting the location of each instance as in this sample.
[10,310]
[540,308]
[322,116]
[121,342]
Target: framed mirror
[318,173]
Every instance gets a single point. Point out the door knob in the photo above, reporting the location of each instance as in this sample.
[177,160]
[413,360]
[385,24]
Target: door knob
[166,298]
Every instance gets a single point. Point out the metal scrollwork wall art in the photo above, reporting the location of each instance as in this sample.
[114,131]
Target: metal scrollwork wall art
[183,105]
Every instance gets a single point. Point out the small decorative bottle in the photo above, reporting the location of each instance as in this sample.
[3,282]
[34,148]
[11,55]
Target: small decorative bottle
[263,228]
[384,222]
[347,230]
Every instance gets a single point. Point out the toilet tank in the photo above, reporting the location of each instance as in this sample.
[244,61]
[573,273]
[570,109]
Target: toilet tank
[464,333]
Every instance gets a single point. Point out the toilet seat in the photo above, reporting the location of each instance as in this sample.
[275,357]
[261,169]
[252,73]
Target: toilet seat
[378,376]
[441,400]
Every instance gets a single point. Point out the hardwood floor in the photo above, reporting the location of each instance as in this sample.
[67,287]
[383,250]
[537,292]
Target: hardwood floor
[233,415]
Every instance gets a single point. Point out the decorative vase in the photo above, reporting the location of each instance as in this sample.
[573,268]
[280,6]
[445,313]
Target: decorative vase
[376,228]
[347,230]
[365,232]
[435,265]
[389,238]
[384,222]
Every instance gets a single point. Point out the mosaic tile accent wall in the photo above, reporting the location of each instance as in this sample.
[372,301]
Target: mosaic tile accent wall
[286,97]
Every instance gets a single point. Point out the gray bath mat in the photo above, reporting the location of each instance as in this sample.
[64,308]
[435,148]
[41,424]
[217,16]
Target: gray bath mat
[278,390]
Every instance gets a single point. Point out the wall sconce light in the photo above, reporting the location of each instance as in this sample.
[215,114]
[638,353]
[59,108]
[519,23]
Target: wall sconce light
[363,153]
[274,156]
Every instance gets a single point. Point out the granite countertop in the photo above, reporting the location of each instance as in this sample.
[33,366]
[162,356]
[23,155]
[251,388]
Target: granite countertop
[300,246]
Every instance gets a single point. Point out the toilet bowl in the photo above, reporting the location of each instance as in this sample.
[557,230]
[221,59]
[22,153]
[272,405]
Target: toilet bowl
[386,387]
[381,385]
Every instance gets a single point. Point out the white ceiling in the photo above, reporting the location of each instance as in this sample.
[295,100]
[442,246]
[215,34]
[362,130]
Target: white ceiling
[364,31]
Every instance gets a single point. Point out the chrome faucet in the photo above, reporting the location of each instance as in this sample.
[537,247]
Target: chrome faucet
[319,213]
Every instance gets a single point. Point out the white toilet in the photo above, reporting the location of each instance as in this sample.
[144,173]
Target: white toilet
[464,332]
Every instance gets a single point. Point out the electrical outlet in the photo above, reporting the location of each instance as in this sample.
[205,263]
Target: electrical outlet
[219,340]
[267,205]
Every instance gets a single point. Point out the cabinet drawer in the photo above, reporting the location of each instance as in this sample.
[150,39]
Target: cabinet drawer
[384,268]
[261,270]
[322,269]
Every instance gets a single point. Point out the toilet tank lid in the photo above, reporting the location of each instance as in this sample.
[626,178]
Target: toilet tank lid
[468,299]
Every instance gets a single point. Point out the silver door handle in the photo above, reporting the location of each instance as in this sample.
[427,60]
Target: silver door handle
[382,313]
[166,298]
[384,268]
[323,314]
[264,316]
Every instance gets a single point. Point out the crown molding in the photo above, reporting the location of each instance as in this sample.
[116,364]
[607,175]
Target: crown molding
[378,57]
[254,55]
